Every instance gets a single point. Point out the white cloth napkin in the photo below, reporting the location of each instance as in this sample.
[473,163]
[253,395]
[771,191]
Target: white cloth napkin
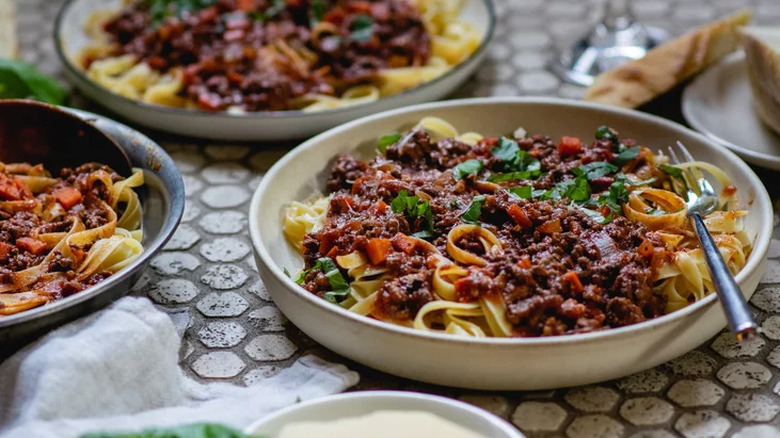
[118,370]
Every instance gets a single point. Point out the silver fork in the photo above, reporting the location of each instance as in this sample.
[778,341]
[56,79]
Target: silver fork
[700,204]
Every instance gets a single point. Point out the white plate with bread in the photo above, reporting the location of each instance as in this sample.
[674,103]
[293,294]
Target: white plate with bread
[737,102]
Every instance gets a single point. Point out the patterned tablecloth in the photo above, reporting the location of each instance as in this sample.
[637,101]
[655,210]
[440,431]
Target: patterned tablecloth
[207,280]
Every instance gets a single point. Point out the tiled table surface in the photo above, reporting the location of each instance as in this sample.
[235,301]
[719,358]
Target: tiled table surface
[206,278]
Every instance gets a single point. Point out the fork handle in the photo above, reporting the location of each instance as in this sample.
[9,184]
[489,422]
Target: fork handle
[739,317]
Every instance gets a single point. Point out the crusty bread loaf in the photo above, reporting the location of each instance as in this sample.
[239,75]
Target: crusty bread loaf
[762,47]
[8,44]
[639,81]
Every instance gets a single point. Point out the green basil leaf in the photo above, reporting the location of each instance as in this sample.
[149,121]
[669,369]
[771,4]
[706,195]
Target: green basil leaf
[506,149]
[202,430]
[627,155]
[332,273]
[579,191]
[425,234]
[19,80]
[468,167]
[511,176]
[474,210]
[361,29]
[594,170]
[387,140]
[540,193]
[399,203]
[414,207]
[605,133]
[522,192]
[672,171]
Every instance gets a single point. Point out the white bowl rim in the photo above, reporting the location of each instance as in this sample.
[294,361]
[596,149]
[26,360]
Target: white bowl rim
[760,245]
[302,115]
[486,416]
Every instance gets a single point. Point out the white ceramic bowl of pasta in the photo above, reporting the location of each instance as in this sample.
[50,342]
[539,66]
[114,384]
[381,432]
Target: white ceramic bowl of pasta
[70,39]
[493,363]
[357,404]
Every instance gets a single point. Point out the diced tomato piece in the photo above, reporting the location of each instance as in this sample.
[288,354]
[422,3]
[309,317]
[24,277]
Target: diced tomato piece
[9,189]
[646,249]
[335,16]
[5,249]
[551,226]
[33,246]
[569,145]
[574,281]
[67,196]
[378,249]
[525,262]
[518,215]
[403,243]
[245,5]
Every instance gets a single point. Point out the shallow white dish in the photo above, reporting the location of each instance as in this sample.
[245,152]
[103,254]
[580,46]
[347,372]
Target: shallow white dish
[262,126]
[493,363]
[362,403]
[719,104]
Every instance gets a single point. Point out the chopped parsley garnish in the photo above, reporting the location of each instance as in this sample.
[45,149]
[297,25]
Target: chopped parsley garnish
[672,171]
[515,162]
[474,210]
[594,170]
[338,284]
[618,194]
[414,207]
[466,168]
[286,272]
[387,140]
[361,29]
[627,155]
[522,192]
[605,133]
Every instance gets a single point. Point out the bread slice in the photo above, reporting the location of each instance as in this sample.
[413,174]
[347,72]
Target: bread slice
[639,81]
[8,44]
[762,47]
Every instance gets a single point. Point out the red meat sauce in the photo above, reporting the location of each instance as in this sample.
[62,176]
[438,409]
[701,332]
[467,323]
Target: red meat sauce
[561,272]
[22,225]
[221,47]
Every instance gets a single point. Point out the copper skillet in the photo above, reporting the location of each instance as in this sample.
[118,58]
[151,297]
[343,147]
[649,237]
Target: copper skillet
[61,137]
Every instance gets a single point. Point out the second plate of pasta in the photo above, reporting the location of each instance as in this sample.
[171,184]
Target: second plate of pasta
[502,236]
[264,70]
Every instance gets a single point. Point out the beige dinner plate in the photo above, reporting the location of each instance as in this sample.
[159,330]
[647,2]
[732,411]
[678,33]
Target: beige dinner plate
[719,104]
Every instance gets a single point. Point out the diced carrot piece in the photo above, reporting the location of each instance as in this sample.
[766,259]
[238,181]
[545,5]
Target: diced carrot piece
[335,16]
[381,207]
[518,215]
[333,252]
[67,196]
[5,249]
[404,243]
[574,281]
[362,7]
[378,249]
[33,246]
[551,226]
[646,249]
[569,145]
[525,262]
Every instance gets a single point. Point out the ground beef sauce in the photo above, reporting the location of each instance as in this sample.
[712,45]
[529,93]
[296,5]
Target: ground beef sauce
[562,271]
[74,195]
[260,54]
